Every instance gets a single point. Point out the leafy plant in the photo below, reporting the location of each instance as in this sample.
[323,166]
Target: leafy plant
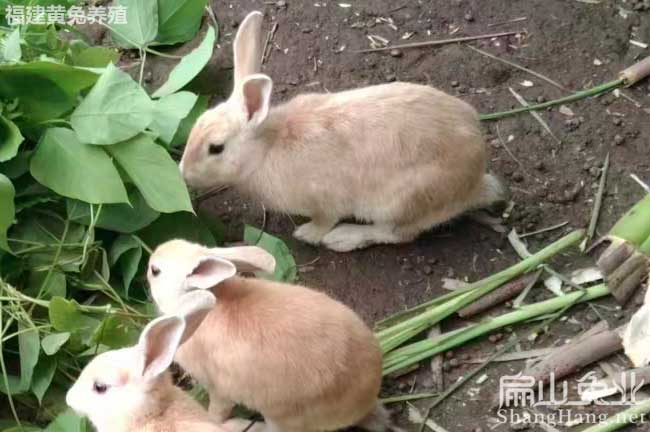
[87,188]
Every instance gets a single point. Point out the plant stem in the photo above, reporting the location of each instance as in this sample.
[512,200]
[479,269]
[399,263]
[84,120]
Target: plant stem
[418,351]
[5,378]
[401,332]
[407,397]
[567,99]
[622,418]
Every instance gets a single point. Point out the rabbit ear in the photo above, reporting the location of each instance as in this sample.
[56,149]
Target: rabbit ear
[209,271]
[247,258]
[256,97]
[194,307]
[248,47]
[158,344]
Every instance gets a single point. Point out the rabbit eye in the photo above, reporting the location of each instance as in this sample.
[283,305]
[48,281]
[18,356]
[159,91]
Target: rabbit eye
[155,271]
[99,388]
[216,149]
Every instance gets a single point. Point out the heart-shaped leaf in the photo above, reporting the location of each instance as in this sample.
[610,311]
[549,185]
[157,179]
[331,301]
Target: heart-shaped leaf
[76,170]
[179,20]
[116,109]
[155,174]
[140,26]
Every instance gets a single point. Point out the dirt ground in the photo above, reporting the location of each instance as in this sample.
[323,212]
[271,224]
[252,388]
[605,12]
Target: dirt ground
[575,42]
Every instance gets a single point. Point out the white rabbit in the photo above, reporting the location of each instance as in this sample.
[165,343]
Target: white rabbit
[130,390]
[402,157]
[303,360]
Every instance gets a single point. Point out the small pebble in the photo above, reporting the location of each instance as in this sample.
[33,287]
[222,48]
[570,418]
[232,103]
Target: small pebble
[541,99]
[454,362]
[469,17]
[540,166]
[455,83]
[617,121]
[396,53]
[427,270]
[619,139]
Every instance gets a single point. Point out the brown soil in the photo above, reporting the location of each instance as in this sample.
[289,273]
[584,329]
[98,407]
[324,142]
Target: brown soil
[551,181]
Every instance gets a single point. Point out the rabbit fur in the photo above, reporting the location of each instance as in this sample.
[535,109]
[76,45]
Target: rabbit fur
[130,390]
[303,360]
[400,157]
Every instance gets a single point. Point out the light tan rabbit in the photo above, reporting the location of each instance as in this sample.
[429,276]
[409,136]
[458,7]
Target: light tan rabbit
[402,157]
[130,390]
[303,360]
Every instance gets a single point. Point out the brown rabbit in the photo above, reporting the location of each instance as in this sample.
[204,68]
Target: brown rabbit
[402,157]
[303,360]
[130,390]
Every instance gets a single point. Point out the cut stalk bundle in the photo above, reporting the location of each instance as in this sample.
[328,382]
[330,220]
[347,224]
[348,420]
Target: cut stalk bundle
[418,351]
[624,263]
[410,323]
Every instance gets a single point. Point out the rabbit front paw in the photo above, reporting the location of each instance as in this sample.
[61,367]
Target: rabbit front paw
[313,232]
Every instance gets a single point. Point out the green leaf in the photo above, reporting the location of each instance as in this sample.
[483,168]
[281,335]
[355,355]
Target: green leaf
[56,284]
[179,20]
[189,66]
[116,109]
[43,377]
[52,343]
[95,57]
[122,218]
[7,210]
[31,82]
[68,422]
[10,139]
[141,26]
[66,317]
[154,172]
[285,266]
[116,332]
[168,113]
[127,252]
[75,170]
[183,132]
[11,51]
[29,347]
[178,225]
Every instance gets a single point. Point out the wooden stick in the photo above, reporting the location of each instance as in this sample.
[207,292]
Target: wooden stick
[500,295]
[439,42]
[574,356]
[636,72]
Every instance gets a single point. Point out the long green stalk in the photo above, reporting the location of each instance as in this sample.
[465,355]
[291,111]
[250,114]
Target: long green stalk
[602,88]
[499,278]
[634,415]
[418,351]
[634,226]
[397,334]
